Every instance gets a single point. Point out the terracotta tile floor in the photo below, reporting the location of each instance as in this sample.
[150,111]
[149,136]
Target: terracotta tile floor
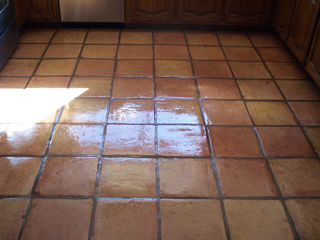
[149,134]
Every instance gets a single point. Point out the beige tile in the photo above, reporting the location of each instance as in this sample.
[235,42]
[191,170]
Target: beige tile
[286,70]
[56,67]
[275,54]
[37,35]
[173,68]
[96,86]
[308,113]
[95,68]
[195,37]
[299,90]
[29,51]
[171,52]
[237,39]
[212,69]
[135,52]
[103,36]
[99,51]
[134,68]
[63,51]
[136,37]
[13,82]
[249,70]
[133,87]
[176,88]
[49,82]
[218,88]
[19,67]
[69,36]
[241,54]
[259,89]
[206,53]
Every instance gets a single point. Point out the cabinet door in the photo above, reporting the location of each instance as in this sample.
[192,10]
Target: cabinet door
[150,10]
[20,7]
[208,11]
[283,16]
[249,11]
[302,28]
[43,11]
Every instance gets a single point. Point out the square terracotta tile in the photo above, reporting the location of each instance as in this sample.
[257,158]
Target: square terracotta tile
[257,219]
[284,142]
[241,54]
[131,111]
[99,51]
[37,36]
[134,68]
[234,142]
[201,38]
[236,39]
[249,70]
[13,82]
[133,88]
[314,136]
[103,36]
[225,113]
[299,90]
[214,69]
[286,70]
[176,88]
[76,139]
[17,175]
[271,113]
[68,176]
[245,178]
[69,36]
[49,82]
[25,140]
[218,88]
[178,111]
[183,178]
[96,68]
[182,141]
[264,39]
[308,113]
[19,67]
[297,177]
[169,37]
[63,51]
[171,52]
[305,214]
[173,68]
[137,140]
[125,219]
[127,177]
[206,53]
[136,37]
[259,89]
[29,51]
[135,52]
[275,55]
[187,219]
[97,86]
[58,67]
[60,218]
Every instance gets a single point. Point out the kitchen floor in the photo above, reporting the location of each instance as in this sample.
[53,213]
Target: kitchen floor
[149,134]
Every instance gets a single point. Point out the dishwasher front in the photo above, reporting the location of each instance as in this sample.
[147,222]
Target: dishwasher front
[92,11]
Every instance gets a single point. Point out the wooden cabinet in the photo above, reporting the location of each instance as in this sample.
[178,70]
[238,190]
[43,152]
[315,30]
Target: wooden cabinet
[21,11]
[283,17]
[43,11]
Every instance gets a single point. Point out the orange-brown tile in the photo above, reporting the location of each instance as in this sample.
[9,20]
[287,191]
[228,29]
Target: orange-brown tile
[11,218]
[49,82]
[19,67]
[218,88]
[76,139]
[201,38]
[37,36]
[234,39]
[182,141]
[284,142]
[67,176]
[127,177]
[134,68]
[314,136]
[264,39]
[215,69]
[56,67]
[99,51]
[133,87]
[305,214]
[249,70]
[137,140]
[259,89]
[257,219]
[245,178]
[60,217]
[178,111]
[241,54]
[187,219]
[275,55]
[286,70]
[135,52]
[234,142]
[13,82]
[173,68]
[182,178]
[297,177]
[299,90]
[176,88]
[69,36]
[169,37]
[136,37]
[126,219]
[90,67]
[131,111]
[25,140]
[171,52]
[63,51]
[17,175]
[29,51]
[271,113]
[308,113]
[103,36]
[206,53]
[96,86]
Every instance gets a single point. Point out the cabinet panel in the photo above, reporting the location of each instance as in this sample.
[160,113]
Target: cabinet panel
[21,11]
[43,10]
[283,16]
[200,10]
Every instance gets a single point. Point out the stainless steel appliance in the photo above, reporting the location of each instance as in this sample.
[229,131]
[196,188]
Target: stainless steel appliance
[9,35]
[92,10]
